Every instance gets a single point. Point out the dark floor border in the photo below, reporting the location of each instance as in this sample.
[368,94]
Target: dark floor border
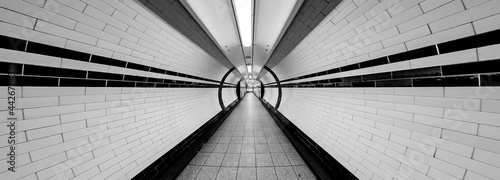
[16,44]
[475,41]
[171,164]
[322,164]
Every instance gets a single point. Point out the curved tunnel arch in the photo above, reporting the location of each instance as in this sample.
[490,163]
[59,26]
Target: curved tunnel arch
[221,85]
[279,86]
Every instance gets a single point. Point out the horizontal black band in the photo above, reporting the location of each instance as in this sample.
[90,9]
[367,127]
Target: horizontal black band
[476,41]
[48,50]
[482,73]
[32,75]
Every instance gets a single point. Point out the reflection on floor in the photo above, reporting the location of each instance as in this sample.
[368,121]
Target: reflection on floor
[248,145]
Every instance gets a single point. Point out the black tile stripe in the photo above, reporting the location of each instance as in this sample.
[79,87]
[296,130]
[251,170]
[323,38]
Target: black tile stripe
[5,66]
[484,39]
[51,71]
[38,48]
[43,49]
[476,41]
[12,43]
[482,73]
[69,82]
[102,75]
[49,76]
[414,54]
[107,61]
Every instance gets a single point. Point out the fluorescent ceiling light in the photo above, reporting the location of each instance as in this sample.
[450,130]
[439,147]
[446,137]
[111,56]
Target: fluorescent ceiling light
[249,68]
[243,10]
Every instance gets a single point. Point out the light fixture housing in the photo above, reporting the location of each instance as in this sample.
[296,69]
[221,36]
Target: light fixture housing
[244,17]
[249,68]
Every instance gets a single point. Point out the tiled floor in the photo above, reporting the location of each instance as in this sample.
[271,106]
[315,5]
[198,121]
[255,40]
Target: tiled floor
[248,145]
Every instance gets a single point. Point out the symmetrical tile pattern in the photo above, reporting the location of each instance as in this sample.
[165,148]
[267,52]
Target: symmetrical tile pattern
[248,145]
[408,118]
[84,132]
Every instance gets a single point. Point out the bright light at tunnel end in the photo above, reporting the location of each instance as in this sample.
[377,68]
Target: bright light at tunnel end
[243,10]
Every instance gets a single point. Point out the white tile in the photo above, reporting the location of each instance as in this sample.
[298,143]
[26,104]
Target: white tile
[92,11]
[65,118]
[431,16]
[417,91]
[121,7]
[487,157]
[103,7]
[445,59]
[473,116]
[65,33]
[487,24]
[429,5]
[469,15]
[96,32]
[29,58]
[407,36]
[481,168]
[470,128]
[53,130]
[490,106]
[64,100]
[34,11]
[78,46]
[55,149]
[473,92]
[468,104]
[120,33]
[75,15]
[52,91]
[443,36]
[80,65]
[472,140]
[488,52]
[416,109]
[489,131]
[474,176]
[23,103]
[17,19]
[35,166]
[54,110]
[417,127]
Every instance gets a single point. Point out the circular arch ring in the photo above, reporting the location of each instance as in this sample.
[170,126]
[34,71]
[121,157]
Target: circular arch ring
[279,86]
[221,85]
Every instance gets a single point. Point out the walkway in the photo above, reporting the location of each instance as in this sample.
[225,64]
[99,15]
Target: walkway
[248,145]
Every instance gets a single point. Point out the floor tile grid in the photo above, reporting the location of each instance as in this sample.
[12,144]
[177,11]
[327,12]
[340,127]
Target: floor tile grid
[248,145]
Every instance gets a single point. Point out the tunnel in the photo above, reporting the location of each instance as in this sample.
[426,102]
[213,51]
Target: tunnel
[250,89]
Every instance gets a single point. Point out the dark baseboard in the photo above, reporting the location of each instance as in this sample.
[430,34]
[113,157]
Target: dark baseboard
[171,164]
[322,164]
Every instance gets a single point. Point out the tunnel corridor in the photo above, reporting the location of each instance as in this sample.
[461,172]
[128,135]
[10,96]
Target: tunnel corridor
[250,89]
[248,145]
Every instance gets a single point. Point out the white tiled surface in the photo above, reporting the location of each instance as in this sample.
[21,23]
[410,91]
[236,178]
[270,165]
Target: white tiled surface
[68,132]
[248,145]
[120,29]
[403,133]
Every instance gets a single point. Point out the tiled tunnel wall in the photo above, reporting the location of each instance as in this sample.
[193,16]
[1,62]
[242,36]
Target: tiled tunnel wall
[67,130]
[435,131]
